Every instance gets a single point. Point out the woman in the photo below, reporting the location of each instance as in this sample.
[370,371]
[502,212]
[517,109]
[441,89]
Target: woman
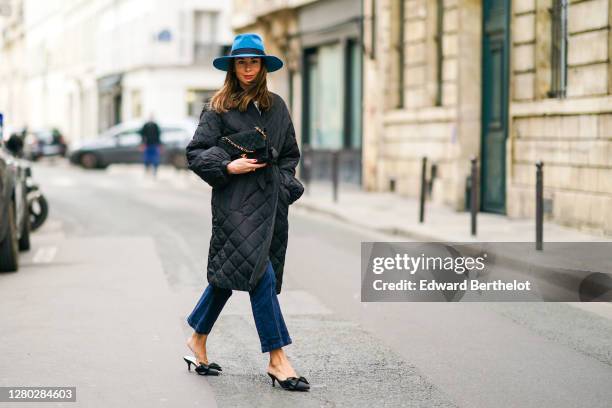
[249,205]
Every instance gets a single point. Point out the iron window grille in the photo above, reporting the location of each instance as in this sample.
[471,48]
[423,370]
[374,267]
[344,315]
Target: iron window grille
[439,36]
[559,43]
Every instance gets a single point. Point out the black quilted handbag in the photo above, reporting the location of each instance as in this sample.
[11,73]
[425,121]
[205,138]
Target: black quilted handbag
[252,144]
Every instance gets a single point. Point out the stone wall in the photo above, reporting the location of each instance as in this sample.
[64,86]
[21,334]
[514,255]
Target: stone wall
[573,135]
[421,127]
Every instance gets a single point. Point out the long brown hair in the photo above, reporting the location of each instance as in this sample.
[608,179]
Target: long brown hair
[232,96]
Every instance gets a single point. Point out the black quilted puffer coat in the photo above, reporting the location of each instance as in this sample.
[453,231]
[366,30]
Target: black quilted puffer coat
[249,210]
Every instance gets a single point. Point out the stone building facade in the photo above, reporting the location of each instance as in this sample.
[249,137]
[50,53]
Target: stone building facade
[320,43]
[511,83]
[12,46]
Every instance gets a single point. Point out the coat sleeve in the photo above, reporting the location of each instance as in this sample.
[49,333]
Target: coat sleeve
[288,159]
[204,157]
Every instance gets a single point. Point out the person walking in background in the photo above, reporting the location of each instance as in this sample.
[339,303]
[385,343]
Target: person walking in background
[151,144]
[250,206]
[58,140]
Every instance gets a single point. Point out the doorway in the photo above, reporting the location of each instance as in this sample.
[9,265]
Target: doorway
[495,74]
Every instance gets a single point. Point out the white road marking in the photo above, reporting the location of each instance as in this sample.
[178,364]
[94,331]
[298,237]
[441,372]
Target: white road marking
[63,181]
[45,255]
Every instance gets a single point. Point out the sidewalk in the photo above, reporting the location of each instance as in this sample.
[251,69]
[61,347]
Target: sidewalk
[392,214]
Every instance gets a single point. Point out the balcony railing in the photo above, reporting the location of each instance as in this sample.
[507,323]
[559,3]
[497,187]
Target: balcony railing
[204,53]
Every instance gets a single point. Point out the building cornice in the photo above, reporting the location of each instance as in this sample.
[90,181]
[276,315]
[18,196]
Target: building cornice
[259,9]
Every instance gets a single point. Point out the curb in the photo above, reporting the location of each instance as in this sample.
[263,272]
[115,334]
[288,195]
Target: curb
[391,231]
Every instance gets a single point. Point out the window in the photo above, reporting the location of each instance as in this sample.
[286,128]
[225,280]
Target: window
[196,98]
[174,135]
[129,138]
[136,103]
[331,91]
[325,96]
[397,48]
[117,102]
[401,51]
[355,97]
[438,38]
[205,40]
[332,96]
[311,94]
[558,54]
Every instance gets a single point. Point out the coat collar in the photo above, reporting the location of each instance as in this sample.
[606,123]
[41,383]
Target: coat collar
[261,119]
[256,118]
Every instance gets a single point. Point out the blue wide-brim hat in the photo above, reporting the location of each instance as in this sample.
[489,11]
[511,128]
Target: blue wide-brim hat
[248,45]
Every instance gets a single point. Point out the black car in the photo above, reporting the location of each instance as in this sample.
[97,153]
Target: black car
[122,144]
[14,213]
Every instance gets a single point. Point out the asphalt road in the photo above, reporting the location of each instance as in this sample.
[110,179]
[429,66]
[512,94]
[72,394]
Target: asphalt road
[100,303]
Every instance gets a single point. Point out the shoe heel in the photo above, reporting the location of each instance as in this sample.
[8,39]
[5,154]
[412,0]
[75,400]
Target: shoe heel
[273,378]
[188,363]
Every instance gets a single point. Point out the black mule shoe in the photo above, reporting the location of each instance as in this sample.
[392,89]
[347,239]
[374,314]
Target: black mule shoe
[201,368]
[292,383]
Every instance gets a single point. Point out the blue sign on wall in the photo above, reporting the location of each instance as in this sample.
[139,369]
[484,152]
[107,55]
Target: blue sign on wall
[164,36]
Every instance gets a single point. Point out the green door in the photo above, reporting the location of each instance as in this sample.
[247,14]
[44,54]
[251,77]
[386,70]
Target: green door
[495,49]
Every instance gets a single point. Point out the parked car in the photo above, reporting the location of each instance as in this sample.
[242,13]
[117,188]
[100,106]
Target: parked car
[44,143]
[14,213]
[121,144]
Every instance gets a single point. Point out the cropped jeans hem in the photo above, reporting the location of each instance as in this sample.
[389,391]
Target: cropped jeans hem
[269,321]
[273,345]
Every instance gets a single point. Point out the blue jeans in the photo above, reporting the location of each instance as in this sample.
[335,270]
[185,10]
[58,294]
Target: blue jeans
[269,321]
[151,155]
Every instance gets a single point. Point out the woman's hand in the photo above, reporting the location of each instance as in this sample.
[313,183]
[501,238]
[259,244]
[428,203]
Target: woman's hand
[244,165]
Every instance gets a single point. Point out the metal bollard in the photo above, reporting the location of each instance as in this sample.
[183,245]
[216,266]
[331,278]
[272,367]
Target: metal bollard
[474,195]
[335,173]
[423,189]
[539,205]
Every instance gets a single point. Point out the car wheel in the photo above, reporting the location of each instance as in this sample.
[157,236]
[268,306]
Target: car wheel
[9,252]
[38,211]
[89,160]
